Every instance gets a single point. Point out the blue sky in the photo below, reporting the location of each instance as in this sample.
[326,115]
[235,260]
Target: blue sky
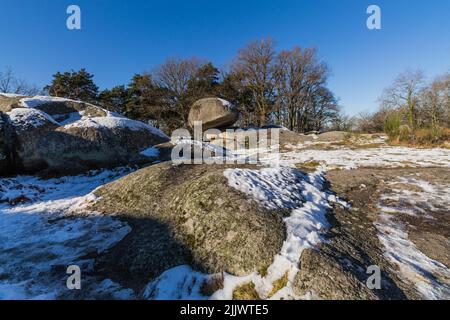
[123,37]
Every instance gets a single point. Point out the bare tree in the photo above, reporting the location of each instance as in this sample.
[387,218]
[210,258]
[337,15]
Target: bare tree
[302,98]
[404,93]
[255,67]
[9,83]
[435,102]
[174,76]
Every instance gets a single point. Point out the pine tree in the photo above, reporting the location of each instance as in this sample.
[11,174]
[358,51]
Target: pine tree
[115,99]
[77,85]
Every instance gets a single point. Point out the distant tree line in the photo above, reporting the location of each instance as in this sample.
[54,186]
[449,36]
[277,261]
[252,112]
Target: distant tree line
[286,88]
[412,109]
[10,83]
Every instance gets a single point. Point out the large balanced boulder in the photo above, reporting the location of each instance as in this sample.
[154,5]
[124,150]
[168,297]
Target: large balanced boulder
[213,113]
[65,136]
[186,214]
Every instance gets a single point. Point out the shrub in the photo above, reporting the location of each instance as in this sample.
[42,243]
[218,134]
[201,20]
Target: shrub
[435,135]
[404,133]
[392,125]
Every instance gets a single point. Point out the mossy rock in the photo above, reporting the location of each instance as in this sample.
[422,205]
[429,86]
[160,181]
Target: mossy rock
[186,214]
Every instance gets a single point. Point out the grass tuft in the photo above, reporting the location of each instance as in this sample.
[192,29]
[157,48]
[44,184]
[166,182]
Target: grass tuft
[246,292]
[279,284]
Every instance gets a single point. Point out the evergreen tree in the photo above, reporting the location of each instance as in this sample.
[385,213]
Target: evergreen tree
[77,85]
[115,99]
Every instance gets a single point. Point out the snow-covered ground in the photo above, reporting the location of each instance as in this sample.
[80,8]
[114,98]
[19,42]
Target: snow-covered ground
[11,95]
[430,277]
[340,156]
[390,157]
[39,239]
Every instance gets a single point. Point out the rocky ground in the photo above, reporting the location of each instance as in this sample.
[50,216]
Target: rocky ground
[304,224]
[360,236]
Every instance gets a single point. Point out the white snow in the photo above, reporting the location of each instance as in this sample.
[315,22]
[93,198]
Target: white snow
[375,157]
[226,103]
[11,95]
[63,120]
[22,117]
[430,277]
[111,122]
[151,152]
[179,283]
[272,187]
[39,238]
[286,188]
[36,101]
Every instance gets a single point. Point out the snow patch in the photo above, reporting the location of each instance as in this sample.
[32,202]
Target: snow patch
[37,101]
[111,122]
[65,120]
[39,237]
[179,283]
[431,278]
[286,188]
[22,117]
[151,152]
[11,95]
[226,103]
[376,157]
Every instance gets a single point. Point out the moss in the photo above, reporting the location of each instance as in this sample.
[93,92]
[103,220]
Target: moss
[246,292]
[222,229]
[263,271]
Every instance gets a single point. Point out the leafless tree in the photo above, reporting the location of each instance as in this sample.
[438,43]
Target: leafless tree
[435,102]
[302,98]
[404,93]
[174,76]
[9,83]
[255,67]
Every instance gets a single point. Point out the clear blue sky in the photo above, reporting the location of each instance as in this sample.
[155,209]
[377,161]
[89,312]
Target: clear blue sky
[123,37]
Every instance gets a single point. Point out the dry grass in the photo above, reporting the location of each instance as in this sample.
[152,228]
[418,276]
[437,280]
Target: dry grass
[367,146]
[246,292]
[279,284]
[263,271]
[309,166]
[424,138]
